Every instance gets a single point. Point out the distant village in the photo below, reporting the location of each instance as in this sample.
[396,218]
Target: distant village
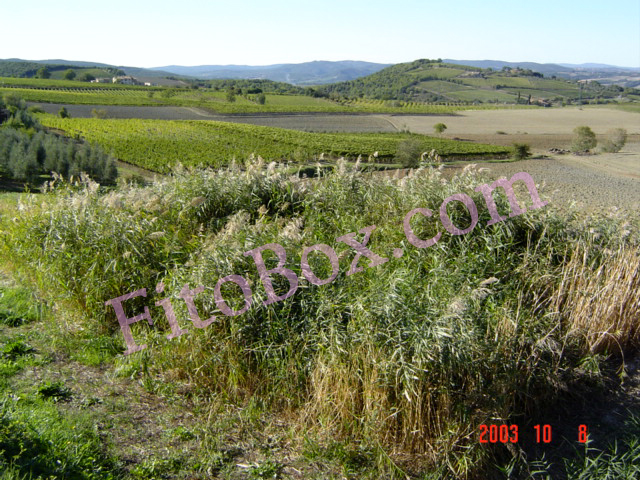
[123,80]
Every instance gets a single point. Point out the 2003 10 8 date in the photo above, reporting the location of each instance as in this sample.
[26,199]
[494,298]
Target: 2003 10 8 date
[509,433]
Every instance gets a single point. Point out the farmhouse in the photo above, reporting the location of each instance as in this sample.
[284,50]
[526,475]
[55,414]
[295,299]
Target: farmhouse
[125,80]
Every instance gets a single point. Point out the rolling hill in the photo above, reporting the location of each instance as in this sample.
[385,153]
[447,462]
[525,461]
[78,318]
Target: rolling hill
[603,73]
[437,81]
[16,67]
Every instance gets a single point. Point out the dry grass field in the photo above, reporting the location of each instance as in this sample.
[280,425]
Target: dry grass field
[541,128]
[595,182]
[557,121]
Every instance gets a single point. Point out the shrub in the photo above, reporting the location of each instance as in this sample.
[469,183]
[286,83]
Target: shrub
[64,113]
[98,113]
[408,153]
[616,139]
[439,127]
[35,109]
[521,151]
[584,139]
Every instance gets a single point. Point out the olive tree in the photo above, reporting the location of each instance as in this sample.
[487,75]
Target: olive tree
[584,139]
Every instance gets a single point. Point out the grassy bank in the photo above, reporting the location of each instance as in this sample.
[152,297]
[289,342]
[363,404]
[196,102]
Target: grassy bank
[395,366]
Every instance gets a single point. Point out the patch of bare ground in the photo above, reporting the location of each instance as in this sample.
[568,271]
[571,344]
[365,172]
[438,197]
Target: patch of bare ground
[596,182]
[603,407]
[156,423]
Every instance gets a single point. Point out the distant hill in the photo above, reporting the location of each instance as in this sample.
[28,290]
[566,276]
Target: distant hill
[438,81]
[423,80]
[603,73]
[545,68]
[308,73]
[16,67]
[596,66]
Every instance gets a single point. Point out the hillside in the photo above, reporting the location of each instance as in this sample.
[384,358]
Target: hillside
[435,81]
[604,74]
[16,67]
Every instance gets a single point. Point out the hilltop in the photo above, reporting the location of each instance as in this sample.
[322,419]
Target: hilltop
[86,71]
[436,81]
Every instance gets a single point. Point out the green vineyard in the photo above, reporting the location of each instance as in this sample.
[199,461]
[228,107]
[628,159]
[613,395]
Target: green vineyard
[82,93]
[158,145]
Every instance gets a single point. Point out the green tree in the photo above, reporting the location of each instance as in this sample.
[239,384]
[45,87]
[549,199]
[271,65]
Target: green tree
[408,153]
[584,139]
[87,77]
[43,72]
[261,99]
[231,96]
[70,74]
[64,113]
[439,127]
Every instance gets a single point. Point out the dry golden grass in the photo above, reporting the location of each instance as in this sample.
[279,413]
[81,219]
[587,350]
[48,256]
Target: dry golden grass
[359,392]
[602,306]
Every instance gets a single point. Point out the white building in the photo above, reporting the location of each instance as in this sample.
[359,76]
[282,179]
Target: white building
[125,80]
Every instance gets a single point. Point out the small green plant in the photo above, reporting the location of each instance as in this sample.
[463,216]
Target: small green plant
[584,139]
[521,151]
[267,469]
[38,441]
[55,391]
[17,306]
[15,349]
[439,128]
[64,113]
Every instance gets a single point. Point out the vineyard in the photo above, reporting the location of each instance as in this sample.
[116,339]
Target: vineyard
[68,92]
[158,145]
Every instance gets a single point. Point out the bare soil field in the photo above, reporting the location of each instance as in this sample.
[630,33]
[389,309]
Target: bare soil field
[542,121]
[119,111]
[361,123]
[540,128]
[317,123]
[595,182]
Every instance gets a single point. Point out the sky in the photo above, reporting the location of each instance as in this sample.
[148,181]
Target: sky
[197,32]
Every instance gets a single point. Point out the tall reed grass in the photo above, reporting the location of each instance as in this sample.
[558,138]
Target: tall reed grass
[409,356]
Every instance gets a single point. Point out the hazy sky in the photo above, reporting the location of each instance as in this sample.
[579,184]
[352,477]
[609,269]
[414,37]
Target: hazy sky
[195,32]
